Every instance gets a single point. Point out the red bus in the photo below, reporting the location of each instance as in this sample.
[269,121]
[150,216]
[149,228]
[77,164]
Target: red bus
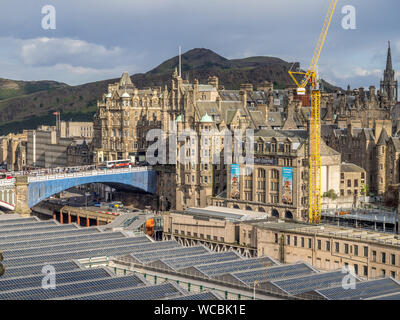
[119,164]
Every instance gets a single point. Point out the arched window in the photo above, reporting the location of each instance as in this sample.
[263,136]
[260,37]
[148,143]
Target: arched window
[288,215]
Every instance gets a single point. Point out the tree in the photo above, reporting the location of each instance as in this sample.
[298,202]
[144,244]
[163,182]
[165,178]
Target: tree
[331,194]
[365,189]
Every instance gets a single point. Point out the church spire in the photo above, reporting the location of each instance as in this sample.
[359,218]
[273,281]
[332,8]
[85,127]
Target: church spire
[389,66]
[389,85]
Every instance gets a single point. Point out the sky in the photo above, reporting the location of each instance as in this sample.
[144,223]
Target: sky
[99,39]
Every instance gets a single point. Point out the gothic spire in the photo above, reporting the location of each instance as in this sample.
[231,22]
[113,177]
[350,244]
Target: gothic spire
[389,66]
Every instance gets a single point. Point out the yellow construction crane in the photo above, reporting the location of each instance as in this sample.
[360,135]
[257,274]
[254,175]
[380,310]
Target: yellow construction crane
[315,122]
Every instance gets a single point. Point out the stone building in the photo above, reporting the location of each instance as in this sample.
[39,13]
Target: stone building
[371,254]
[71,129]
[123,118]
[46,149]
[367,148]
[126,114]
[279,181]
[352,180]
[12,151]
[78,154]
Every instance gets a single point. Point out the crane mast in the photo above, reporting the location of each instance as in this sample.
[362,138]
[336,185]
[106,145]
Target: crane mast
[315,122]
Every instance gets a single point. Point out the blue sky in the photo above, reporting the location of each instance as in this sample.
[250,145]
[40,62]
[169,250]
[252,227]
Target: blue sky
[99,39]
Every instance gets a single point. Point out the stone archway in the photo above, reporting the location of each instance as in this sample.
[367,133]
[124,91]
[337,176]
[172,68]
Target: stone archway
[261,209]
[248,208]
[235,206]
[275,213]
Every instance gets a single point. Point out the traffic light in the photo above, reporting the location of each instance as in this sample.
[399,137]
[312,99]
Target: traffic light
[2,268]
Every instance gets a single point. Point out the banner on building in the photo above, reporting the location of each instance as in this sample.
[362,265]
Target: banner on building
[287,185]
[235,181]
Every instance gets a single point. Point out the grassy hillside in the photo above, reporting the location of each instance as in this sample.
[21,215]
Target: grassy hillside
[14,88]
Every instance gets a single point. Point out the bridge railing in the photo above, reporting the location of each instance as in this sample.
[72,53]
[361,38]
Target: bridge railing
[87,173]
[7,182]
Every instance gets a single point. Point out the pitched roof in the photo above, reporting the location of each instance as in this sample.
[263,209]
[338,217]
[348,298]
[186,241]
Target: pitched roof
[383,138]
[350,167]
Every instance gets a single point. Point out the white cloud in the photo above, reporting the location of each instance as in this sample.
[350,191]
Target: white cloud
[51,51]
[67,60]
[360,72]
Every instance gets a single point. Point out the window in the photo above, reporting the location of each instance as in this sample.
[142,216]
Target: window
[356,250]
[222,239]
[383,257]
[374,256]
[349,183]
[302,242]
[201,235]
[328,246]
[356,268]
[346,248]
[276,238]
[195,234]
[366,271]
[182,232]
[393,259]
[319,244]
[393,274]
[176,231]
[208,237]
[365,251]
[337,246]
[215,238]
[189,233]
[288,240]
[383,272]
[309,243]
[295,241]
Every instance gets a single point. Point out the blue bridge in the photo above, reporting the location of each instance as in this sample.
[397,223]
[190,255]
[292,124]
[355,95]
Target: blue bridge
[24,192]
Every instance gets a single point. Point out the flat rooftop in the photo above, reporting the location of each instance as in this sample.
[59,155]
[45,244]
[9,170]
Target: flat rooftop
[331,231]
[227,213]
